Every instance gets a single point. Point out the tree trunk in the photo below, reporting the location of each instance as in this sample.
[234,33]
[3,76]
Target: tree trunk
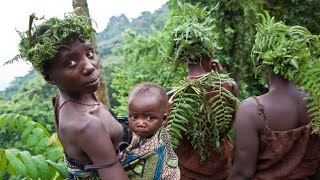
[81,8]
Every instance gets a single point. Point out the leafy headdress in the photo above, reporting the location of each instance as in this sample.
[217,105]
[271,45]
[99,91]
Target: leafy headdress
[292,52]
[201,109]
[191,34]
[40,44]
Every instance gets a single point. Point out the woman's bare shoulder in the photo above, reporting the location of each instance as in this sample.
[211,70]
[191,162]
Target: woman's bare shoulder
[247,113]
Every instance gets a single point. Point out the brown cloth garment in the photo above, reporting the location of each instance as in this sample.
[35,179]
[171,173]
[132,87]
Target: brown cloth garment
[216,166]
[284,155]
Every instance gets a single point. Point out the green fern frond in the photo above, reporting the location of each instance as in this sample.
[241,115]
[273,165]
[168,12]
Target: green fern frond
[201,115]
[293,52]
[191,34]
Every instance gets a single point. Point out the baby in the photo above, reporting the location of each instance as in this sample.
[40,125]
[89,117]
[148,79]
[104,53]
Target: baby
[150,155]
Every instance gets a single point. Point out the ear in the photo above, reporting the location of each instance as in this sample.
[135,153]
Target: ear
[216,66]
[49,79]
[165,120]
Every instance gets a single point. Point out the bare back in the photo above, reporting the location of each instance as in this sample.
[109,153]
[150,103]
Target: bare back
[285,109]
[272,135]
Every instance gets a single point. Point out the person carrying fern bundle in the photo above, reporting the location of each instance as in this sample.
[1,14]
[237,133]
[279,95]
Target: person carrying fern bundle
[202,107]
[277,132]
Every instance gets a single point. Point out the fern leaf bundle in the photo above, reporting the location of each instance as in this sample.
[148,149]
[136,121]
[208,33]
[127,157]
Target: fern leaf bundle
[191,34]
[293,52]
[40,44]
[202,110]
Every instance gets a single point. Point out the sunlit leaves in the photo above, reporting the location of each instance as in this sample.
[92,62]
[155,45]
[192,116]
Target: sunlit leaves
[49,153]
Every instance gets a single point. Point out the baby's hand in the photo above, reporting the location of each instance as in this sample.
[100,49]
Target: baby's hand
[121,156]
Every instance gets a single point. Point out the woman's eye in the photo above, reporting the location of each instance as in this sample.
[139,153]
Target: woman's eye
[71,63]
[90,53]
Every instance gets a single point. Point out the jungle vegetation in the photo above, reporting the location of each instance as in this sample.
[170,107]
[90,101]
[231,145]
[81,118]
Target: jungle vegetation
[129,55]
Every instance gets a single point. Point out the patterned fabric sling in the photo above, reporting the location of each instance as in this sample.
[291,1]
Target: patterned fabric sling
[151,158]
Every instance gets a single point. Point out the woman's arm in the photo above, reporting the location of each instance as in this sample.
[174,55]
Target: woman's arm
[246,140]
[96,143]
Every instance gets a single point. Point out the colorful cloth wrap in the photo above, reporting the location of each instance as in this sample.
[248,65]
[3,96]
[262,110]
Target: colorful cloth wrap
[151,158]
[76,171]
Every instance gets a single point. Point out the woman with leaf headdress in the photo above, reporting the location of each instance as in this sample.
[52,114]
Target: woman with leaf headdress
[62,51]
[277,132]
[202,106]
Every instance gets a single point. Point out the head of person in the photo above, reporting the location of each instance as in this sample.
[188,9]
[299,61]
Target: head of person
[61,50]
[147,108]
[207,64]
[192,36]
[283,50]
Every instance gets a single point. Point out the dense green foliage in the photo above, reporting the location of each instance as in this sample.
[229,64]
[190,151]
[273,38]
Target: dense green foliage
[42,155]
[32,98]
[113,33]
[203,116]
[137,58]
[294,53]
[190,34]
[200,109]
[236,27]
[141,51]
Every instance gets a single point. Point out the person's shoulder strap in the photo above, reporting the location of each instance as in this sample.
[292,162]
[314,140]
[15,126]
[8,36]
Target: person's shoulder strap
[261,110]
[100,166]
[55,103]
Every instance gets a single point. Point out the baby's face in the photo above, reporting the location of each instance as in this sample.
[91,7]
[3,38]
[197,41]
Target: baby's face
[145,115]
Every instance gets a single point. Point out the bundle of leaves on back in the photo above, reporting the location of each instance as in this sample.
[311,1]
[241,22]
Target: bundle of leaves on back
[37,45]
[293,52]
[201,109]
[190,34]
[47,161]
[204,116]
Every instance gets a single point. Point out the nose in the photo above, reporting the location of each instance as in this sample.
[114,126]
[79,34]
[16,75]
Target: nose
[88,67]
[140,123]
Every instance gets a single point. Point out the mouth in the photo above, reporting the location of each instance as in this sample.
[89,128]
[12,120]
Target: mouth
[140,133]
[92,81]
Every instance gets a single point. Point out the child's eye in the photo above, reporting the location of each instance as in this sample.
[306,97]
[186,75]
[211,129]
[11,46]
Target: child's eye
[132,117]
[150,118]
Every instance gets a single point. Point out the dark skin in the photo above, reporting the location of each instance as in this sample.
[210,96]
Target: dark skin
[87,133]
[286,109]
[146,114]
[207,65]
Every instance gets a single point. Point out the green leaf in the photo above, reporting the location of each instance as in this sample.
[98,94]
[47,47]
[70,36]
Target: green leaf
[42,167]
[15,162]
[42,145]
[60,167]
[30,165]
[2,118]
[21,124]
[11,170]
[54,153]
[3,160]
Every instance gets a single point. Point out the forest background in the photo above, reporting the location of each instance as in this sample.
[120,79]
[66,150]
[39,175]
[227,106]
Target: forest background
[129,55]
